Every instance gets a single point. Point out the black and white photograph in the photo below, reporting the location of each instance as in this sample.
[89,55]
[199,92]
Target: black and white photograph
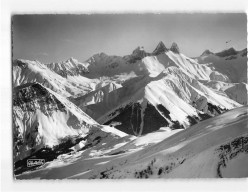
[132,95]
[114,96]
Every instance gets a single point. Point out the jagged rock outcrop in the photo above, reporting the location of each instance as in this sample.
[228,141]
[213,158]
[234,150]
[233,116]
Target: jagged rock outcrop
[160,49]
[174,48]
[137,54]
[206,52]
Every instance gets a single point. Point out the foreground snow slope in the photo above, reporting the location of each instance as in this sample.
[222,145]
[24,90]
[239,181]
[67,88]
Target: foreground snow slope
[217,147]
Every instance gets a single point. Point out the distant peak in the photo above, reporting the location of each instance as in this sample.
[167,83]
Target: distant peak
[206,52]
[137,54]
[71,59]
[160,48]
[161,44]
[227,52]
[174,48]
[138,49]
[101,55]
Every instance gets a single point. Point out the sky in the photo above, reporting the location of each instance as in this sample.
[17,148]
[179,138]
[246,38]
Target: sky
[55,38]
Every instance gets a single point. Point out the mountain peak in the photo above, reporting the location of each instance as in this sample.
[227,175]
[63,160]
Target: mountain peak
[206,52]
[160,48]
[160,43]
[71,59]
[139,52]
[138,49]
[174,48]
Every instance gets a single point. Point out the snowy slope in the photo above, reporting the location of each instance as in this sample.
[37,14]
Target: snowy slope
[25,71]
[217,147]
[235,91]
[229,62]
[233,64]
[42,118]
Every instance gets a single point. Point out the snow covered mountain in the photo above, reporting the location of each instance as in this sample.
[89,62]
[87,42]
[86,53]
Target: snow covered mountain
[109,105]
[45,121]
[59,80]
[230,62]
[168,90]
[233,64]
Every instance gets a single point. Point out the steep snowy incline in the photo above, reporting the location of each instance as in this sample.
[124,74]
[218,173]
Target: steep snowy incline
[235,91]
[42,118]
[217,147]
[196,70]
[97,95]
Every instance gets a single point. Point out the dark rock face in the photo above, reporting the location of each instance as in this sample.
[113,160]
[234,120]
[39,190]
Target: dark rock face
[20,63]
[138,54]
[244,52]
[174,48]
[32,96]
[160,49]
[166,114]
[153,120]
[228,52]
[130,119]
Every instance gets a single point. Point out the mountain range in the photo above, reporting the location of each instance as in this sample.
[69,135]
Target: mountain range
[143,115]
